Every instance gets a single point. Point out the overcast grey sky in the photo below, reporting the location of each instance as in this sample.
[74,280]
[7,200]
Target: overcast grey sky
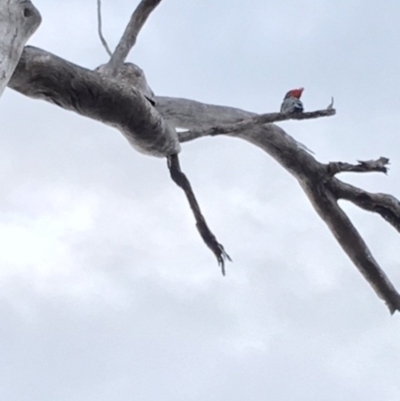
[107,291]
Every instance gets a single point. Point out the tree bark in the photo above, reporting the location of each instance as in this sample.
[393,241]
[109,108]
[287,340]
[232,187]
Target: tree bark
[121,98]
[42,75]
[18,21]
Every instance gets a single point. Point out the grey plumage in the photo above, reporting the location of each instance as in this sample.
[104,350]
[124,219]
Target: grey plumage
[292,105]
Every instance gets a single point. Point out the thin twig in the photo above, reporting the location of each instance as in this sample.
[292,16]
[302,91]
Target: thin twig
[181,180]
[130,35]
[251,122]
[99,29]
[40,74]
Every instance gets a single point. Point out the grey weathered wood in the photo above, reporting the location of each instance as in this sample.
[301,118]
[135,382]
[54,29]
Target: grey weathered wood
[129,37]
[325,203]
[131,75]
[18,21]
[190,114]
[384,204]
[320,186]
[43,75]
[242,125]
[100,29]
[368,166]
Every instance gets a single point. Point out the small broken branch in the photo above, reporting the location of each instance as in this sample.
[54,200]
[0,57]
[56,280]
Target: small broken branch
[208,237]
[320,186]
[100,30]
[250,122]
[42,75]
[379,165]
[129,37]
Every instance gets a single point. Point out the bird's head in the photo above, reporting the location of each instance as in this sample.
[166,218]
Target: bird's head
[295,93]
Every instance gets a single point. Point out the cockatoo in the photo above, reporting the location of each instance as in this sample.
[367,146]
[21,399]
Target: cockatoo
[292,103]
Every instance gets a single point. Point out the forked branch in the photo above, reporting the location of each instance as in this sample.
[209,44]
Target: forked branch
[325,203]
[384,204]
[42,75]
[132,76]
[317,180]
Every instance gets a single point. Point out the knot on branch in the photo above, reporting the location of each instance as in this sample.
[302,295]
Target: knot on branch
[132,76]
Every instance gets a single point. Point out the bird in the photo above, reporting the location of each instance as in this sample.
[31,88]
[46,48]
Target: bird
[292,103]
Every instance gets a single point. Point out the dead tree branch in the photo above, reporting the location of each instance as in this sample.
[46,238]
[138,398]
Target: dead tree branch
[256,120]
[325,203]
[100,29]
[129,37]
[131,76]
[322,189]
[208,237]
[42,75]
[384,204]
[379,165]
[18,21]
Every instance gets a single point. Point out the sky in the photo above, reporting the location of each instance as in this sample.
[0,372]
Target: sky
[106,289]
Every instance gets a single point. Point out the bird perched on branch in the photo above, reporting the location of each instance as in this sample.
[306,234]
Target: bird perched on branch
[292,103]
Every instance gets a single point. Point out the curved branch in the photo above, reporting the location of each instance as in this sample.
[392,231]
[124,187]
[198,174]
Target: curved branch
[42,75]
[384,204]
[322,189]
[129,37]
[208,237]
[124,103]
[352,243]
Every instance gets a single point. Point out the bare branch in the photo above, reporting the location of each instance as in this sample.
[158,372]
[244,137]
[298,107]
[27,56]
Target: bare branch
[129,37]
[191,114]
[256,120]
[99,29]
[369,166]
[45,76]
[42,75]
[208,237]
[123,104]
[384,204]
[322,189]
[352,243]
